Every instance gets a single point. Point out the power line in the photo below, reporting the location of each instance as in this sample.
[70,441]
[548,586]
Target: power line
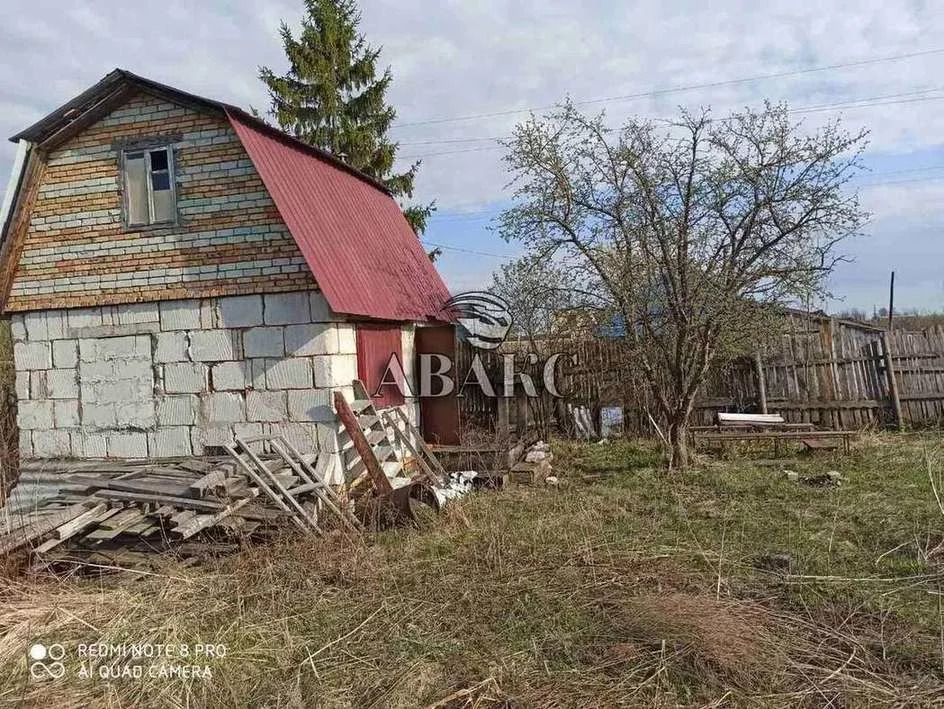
[679,89]
[465,251]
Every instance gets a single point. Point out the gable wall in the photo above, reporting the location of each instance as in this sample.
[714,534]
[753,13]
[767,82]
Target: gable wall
[229,237]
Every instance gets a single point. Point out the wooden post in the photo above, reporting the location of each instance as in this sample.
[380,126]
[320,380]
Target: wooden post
[891,302]
[761,383]
[892,381]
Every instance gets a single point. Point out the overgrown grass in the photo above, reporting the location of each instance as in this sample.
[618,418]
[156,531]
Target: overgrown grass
[625,585]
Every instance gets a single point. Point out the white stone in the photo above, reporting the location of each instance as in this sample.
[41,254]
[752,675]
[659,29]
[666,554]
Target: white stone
[328,440]
[334,370]
[310,405]
[214,345]
[37,385]
[137,313]
[98,415]
[88,445]
[135,414]
[111,348]
[258,373]
[51,444]
[177,410]
[62,383]
[215,436]
[169,442]
[240,311]
[263,342]
[32,355]
[34,415]
[266,406]
[311,339]
[93,372]
[347,338]
[288,374]
[66,413]
[304,437]
[85,317]
[184,378]
[26,445]
[65,353]
[180,315]
[286,308]
[22,385]
[170,347]
[250,430]
[127,444]
[229,376]
[18,327]
[222,407]
[56,324]
[320,310]
[36,326]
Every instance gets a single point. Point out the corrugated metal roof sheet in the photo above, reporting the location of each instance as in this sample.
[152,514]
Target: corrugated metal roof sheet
[358,245]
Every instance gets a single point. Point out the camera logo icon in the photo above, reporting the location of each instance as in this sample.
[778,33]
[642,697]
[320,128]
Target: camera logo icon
[47,661]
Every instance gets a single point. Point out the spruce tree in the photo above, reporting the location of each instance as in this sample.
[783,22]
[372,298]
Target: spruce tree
[332,98]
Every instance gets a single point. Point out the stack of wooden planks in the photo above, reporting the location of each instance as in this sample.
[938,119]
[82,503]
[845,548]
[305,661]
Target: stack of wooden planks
[117,511]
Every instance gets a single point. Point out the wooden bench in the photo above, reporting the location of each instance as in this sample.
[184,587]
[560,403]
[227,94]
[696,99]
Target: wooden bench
[751,427]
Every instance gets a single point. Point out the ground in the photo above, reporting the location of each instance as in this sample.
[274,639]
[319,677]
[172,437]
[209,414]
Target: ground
[726,585]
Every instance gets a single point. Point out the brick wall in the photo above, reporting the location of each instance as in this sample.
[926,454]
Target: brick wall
[229,237]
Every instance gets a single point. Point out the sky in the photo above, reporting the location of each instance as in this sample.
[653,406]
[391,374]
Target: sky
[466,72]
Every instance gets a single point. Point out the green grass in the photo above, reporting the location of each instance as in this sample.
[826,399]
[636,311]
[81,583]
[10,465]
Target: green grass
[624,585]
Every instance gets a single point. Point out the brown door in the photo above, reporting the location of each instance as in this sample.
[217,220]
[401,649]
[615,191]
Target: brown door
[376,344]
[439,415]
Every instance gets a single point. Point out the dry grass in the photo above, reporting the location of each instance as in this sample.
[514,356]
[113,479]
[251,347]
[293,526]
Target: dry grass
[632,589]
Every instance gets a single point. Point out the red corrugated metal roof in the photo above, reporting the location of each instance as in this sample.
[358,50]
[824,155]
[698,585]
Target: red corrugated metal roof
[360,248]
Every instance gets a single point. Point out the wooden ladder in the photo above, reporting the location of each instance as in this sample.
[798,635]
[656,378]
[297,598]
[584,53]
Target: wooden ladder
[412,440]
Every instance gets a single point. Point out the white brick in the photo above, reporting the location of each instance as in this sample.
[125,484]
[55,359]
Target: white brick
[177,410]
[263,342]
[36,326]
[26,445]
[334,370]
[320,310]
[214,345]
[229,376]
[286,308]
[97,371]
[258,373]
[37,385]
[216,436]
[240,311]
[137,313]
[32,355]
[347,338]
[56,324]
[22,385]
[266,406]
[207,315]
[328,438]
[171,347]
[127,444]
[304,437]
[129,347]
[223,407]
[135,414]
[250,430]
[310,405]
[311,339]
[34,415]
[170,442]
[288,374]
[180,315]
[51,444]
[85,317]
[98,415]
[184,378]
[88,445]
[18,327]
[62,383]
[65,353]
[66,413]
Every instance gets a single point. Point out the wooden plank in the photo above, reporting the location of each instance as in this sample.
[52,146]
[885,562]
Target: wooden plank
[30,531]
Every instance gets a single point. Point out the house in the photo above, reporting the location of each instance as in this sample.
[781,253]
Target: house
[177,271]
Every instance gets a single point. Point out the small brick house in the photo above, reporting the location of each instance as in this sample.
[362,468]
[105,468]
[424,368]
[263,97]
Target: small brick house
[177,272]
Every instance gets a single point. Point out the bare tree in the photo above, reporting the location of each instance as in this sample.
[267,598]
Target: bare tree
[689,232]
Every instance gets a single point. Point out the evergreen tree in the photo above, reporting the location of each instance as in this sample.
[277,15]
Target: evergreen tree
[332,98]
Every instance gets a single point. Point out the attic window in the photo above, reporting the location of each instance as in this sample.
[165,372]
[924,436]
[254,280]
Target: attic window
[149,187]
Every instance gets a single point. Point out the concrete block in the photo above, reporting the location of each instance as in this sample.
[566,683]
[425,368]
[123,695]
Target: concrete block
[266,406]
[84,317]
[263,342]
[328,440]
[229,376]
[114,392]
[98,415]
[304,437]
[32,415]
[257,373]
[177,410]
[66,413]
[65,354]
[288,374]
[138,370]
[286,308]
[36,326]
[32,355]
[170,347]
[222,407]
[129,347]
[185,378]
[137,313]
[88,445]
[320,310]
[311,405]
[214,345]
[208,319]
[311,339]
[126,444]
[334,370]
[347,338]
[97,371]
[26,444]
[62,383]
[22,385]
[170,441]
[51,444]
[37,385]
[179,315]
[135,414]
[240,311]
[249,430]
[18,327]
[56,324]
[210,436]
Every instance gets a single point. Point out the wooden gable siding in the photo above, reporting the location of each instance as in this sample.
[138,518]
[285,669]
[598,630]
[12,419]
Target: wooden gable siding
[229,237]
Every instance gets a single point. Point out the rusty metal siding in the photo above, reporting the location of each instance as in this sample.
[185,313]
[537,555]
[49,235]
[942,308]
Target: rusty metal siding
[361,250]
[376,343]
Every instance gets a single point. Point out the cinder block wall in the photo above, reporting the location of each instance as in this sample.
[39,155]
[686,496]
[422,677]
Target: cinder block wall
[179,377]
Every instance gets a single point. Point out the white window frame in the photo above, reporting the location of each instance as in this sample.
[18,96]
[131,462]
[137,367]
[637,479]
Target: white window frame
[146,151]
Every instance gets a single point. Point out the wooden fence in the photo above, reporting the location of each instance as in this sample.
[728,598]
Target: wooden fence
[834,373]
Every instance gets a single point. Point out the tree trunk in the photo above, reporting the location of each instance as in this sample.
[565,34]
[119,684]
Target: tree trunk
[678,439]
